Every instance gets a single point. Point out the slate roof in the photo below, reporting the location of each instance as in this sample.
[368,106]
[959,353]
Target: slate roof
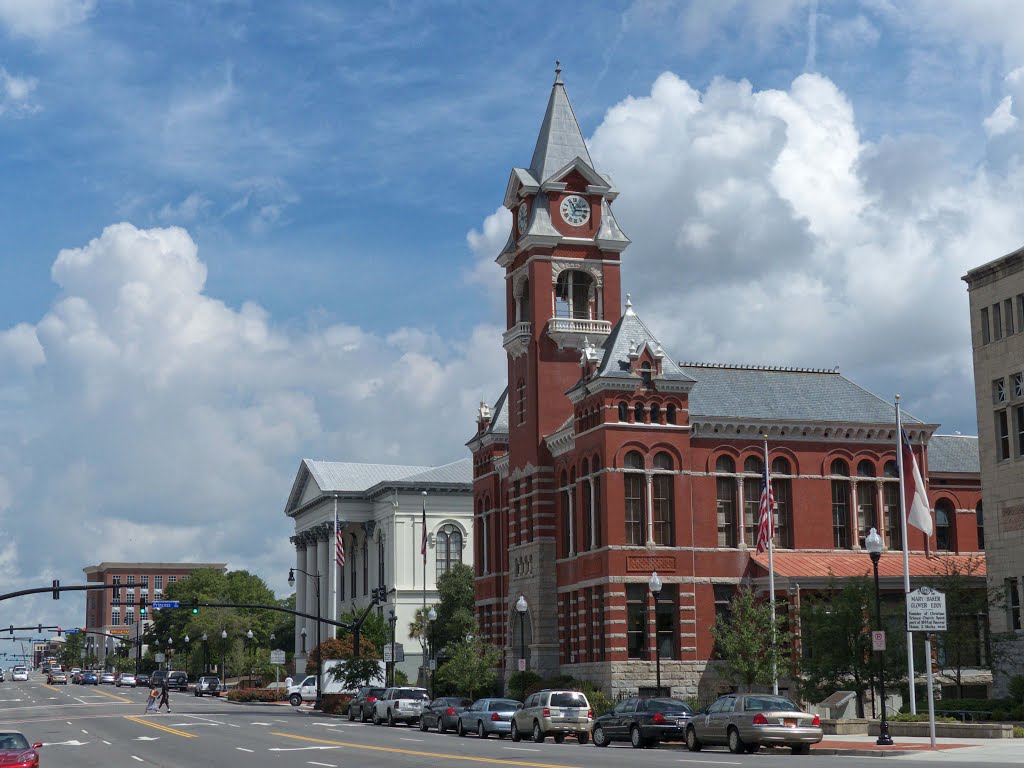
[627,334]
[784,394]
[560,140]
[499,418]
[954,454]
[850,564]
[460,471]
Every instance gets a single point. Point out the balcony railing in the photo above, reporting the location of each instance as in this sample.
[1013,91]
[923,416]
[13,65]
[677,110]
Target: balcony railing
[575,325]
[520,332]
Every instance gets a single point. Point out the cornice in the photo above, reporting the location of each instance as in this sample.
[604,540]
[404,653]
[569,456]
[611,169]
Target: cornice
[809,431]
[561,442]
[501,466]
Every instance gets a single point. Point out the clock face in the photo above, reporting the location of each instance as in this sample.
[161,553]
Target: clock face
[575,210]
[523,211]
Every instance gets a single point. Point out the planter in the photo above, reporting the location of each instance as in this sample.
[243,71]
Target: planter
[850,726]
[948,730]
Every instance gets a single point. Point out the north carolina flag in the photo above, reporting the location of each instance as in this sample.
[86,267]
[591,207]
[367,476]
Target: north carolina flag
[766,511]
[919,513]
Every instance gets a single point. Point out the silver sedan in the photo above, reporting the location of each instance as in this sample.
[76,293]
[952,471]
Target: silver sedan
[746,721]
[486,716]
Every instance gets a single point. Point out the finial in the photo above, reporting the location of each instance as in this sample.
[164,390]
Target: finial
[558,72]
[629,304]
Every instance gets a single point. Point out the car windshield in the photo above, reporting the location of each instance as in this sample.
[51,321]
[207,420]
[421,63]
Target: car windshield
[769,704]
[501,705]
[412,693]
[13,741]
[568,700]
[667,705]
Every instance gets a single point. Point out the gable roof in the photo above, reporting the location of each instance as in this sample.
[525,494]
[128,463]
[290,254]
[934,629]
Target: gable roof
[784,394]
[560,140]
[956,454]
[628,335]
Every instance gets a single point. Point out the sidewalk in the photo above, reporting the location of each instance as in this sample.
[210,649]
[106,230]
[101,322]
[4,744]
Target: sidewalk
[981,750]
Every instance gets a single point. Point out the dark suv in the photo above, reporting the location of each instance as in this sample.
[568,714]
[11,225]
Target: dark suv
[363,703]
[177,680]
[156,680]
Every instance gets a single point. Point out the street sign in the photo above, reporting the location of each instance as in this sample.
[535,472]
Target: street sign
[158,604]
[926,610]
[277,657]
[522,665]
[878,641]
[159,658]
[72,631]
[387,653]
[433,665]
[399,652]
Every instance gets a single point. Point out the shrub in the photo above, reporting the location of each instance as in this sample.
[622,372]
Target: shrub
[1016,688]
[257,694]
[920,717]
[1018,732]
[335,703]
[518,683]
[400,677]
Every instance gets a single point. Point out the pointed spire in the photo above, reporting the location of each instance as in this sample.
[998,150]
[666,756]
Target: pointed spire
[629,305]
[560,140]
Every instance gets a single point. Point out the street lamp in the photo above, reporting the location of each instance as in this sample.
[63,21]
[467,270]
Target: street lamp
[223,656]
[206,655]
[170,648]
[319,620]
[873,544]
[521,606]
[655,585]
[248,648]
[186,653]
[432,617]
[303,633]
[392,620]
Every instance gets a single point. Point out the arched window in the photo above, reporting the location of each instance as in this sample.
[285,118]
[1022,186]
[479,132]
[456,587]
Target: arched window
[596,469]
[623,412]
[524,302]
[638,413]
[865,468]
[645,374]
[448,548]
[945,518]
[782,491]
[565,513]
[588,517]
[521,401]
[664,501]
[670,414]
[752,496]
[840,505]
[980,520]
[867,501]
[891,509]
[726,502]
[890,469]
[573,294]
[636,503]
[655,413]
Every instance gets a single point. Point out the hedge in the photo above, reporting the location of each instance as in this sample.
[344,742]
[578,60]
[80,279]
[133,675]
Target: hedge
[335,703]
[257,694]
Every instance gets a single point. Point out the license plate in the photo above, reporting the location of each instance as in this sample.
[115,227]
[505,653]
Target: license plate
[680,723]
[790,722]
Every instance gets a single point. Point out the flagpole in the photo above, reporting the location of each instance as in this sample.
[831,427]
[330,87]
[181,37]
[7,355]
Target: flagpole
[334,568]
[906,554]
[771,564]
[424,549]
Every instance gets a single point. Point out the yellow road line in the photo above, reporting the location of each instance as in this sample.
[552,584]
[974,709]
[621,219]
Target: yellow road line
[151,724]
[493,760]
[119,698]
[52,688]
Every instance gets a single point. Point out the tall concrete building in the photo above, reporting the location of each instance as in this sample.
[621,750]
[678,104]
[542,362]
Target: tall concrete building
[996,292]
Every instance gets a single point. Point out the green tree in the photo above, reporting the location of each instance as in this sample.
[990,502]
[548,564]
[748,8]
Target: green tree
[419,628]
[373,634]
[471,667]
[71,653]
[456,610]
[744,641]
[962,581]
[355,673]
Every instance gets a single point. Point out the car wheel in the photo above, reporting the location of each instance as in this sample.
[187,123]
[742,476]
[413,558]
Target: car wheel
[599,738]
[441,728]
[635,738]
[295,700]
[391,719]
[559,738]
[459,729]
[582,737]
[197,694]
[801,749]
[423,725]
[515,732]
[480,729]
[692,742]
[351,714]
[538,734]
[736,745]
[376,720]
[363,717]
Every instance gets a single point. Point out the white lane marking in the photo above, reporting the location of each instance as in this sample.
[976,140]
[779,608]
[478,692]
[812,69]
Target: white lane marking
[405,739]
[711,762]
[71,743]
[297,749]
[523,749]
[243,749]
[146,738]
[328,765]
[85,732]
[138,758]
[259,723]
[105,742]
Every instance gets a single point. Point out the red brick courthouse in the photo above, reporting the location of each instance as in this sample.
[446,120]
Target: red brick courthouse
[606,459]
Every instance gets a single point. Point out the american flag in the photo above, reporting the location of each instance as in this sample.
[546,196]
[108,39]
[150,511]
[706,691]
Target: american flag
[423,541]
[766,510]
[339,543]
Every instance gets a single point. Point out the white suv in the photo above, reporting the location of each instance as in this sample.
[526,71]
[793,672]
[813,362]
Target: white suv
[20,673]
[403,704]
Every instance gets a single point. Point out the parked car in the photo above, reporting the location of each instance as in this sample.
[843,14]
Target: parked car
[16,751]
[107,678]
[88,678]
[156,680]
[207,685]
[745,722]
[56,678]
[362,703]
[400,705]
[553,713]
[142,679]
[643,722]
[126,679]
[177,680]
[487,716]
[442,713]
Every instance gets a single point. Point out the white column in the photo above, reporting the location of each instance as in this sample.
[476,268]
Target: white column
[300,596]
[854,515]
[741,513]
[310,567]
[323,552]
[650,509]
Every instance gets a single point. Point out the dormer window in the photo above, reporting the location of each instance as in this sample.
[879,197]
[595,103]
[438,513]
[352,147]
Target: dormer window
[645,375]
[573,293]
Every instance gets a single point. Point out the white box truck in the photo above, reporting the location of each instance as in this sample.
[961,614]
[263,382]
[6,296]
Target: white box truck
[305,690]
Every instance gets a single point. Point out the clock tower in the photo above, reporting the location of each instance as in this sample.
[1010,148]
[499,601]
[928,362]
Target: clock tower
[562,283]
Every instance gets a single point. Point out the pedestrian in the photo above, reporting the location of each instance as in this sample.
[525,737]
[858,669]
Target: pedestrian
[165,696]
[151,700]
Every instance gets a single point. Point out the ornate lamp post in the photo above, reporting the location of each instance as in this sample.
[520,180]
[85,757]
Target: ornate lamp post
[224,656]
[248,649]
[392,620]
[873,544]
[187,647]
[170,649]
[303,633]
[522,607]
[319,621]
[206,654]
[655,585]
[432,617]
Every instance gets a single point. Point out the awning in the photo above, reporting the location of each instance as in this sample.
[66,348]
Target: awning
[826,565]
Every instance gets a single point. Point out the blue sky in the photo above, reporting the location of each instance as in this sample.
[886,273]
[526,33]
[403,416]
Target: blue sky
[235,234]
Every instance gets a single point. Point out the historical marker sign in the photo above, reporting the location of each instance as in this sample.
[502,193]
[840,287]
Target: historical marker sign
[277,657]
[926,610]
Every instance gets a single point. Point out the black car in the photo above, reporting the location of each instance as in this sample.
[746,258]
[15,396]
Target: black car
[142,678]
[156,680]
[443,713]
[643,722]
[177,681]
[362,704]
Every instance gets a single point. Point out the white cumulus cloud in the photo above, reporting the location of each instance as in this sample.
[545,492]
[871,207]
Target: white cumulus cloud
[42,18]
[1002,120]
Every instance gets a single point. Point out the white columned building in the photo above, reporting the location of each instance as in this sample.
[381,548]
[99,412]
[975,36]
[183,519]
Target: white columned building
[380,508]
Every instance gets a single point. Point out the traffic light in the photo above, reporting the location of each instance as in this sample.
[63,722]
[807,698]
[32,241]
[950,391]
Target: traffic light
[58,631]
[39,629]
[56,589]
[11,630]
[142,607]
[195,605]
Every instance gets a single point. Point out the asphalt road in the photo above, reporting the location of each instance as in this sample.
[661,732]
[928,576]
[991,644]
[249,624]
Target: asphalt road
[94,727]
